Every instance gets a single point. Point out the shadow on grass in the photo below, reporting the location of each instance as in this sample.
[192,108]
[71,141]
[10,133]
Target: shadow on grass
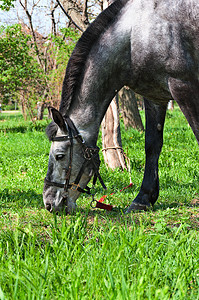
[20,199]
[22,128]
[10,199]
[119,212]
[165,205]
[115,213]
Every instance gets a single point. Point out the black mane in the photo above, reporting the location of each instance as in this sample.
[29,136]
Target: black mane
[77,61]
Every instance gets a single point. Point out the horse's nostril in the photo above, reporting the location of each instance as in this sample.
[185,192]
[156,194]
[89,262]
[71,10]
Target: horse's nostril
[48,207]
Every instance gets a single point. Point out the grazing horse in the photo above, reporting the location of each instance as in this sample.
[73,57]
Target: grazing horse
[152,46]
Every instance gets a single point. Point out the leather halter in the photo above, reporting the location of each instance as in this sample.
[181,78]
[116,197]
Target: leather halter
[90,155]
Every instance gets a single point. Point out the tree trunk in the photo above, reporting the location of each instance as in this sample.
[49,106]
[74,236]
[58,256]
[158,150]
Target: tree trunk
[171,105]
[23,105]
[23,110]
[130,112]
[40,110]
[111,138]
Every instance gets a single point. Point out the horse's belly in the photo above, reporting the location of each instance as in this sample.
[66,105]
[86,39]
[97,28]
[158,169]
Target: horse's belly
[154,90]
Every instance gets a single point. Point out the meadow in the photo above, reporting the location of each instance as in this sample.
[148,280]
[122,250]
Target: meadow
[95,254]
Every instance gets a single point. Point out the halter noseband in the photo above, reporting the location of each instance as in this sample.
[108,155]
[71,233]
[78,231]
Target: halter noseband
[89,156]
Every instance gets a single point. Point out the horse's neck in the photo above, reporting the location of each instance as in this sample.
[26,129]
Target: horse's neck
[106,71]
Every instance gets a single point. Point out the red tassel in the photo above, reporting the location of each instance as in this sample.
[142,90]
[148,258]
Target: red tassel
[104,197]
[107,206]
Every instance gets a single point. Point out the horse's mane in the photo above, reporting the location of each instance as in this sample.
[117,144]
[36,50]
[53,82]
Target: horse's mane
[78,58]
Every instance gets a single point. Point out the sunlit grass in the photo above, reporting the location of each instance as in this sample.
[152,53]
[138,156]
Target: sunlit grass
[94,254]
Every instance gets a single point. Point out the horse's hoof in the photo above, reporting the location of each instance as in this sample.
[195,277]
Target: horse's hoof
[137,207]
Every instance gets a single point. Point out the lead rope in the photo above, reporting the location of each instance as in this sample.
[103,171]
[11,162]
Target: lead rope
[99,204]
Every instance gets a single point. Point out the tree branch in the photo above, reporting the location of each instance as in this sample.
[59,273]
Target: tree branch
[84,13]
[53,18]
[69,17]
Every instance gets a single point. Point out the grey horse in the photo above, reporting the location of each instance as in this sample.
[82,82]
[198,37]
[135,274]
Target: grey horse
[152,46]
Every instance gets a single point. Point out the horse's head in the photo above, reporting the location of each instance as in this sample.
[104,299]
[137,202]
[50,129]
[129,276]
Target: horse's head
[71,165]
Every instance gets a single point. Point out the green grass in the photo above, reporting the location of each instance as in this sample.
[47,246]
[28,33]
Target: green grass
[96,254]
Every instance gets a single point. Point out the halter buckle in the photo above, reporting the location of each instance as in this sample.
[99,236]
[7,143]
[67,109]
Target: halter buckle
[74,187]
[89,152]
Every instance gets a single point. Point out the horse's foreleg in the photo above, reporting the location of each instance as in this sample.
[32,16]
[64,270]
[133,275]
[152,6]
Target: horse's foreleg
[155,117]
[186,95]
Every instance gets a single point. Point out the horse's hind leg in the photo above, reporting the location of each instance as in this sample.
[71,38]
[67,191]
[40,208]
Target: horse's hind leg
[155,117]
[186,95]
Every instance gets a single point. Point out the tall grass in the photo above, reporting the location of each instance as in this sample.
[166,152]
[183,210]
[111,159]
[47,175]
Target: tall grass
[95,254]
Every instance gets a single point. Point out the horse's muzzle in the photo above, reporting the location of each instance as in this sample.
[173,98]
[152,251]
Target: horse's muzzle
[61,208]
[48,206]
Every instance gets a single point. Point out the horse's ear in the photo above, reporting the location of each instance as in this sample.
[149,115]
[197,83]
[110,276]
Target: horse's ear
[57,118]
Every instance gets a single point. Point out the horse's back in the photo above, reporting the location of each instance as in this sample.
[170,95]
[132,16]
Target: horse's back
[184,12]
[164,42]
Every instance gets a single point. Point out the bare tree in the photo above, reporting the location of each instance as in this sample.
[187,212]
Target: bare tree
[130,113]
[53,7]
[76,12]
[111,138]
[81,12]
[41,48]
[29,16]
[171,105]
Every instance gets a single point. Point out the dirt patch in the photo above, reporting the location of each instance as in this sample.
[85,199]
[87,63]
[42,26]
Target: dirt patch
[195,202]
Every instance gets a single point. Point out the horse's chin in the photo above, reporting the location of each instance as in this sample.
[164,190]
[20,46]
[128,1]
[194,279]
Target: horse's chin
[66,208]
[58,202]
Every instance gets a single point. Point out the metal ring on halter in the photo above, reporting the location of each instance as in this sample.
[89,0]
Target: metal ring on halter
[91,203]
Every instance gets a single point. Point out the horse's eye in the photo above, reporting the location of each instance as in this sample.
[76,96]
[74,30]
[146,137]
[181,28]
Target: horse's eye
[59,156]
